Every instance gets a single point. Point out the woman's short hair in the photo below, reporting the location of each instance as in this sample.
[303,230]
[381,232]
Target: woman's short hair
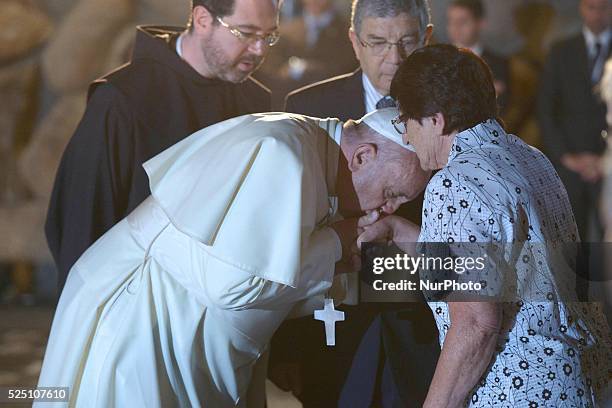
[448,80]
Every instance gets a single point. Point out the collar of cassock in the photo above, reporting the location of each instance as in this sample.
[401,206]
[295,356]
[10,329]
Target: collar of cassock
[157,43]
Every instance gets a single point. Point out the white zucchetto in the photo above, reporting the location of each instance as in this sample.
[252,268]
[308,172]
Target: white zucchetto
[380,121]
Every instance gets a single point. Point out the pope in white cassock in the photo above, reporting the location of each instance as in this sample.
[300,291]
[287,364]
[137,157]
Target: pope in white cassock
[176,304]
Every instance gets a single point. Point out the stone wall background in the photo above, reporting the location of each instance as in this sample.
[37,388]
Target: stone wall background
[50,50]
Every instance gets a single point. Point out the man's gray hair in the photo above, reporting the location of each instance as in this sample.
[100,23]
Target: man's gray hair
[418,9]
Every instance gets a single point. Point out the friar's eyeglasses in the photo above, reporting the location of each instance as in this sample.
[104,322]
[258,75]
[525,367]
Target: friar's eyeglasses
[251,38]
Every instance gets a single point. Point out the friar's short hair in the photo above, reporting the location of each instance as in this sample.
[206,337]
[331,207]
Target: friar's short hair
[418,9]
[449,80]
[219,8]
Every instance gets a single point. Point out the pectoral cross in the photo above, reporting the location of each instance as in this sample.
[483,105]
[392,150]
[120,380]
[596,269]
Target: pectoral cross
[329,316]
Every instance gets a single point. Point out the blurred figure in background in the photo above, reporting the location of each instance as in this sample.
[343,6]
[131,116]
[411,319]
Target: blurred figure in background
[291,9]
[572,118]
[465,22]
[179,81]
[605,207]
[312,47]
[533,21]
[379,359]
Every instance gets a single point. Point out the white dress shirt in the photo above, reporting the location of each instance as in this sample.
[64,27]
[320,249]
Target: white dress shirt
[372,96]
[477,49]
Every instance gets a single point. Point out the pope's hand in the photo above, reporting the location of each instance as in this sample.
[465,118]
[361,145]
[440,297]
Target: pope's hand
[402,232]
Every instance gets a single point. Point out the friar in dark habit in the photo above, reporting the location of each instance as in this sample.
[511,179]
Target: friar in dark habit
[178,81]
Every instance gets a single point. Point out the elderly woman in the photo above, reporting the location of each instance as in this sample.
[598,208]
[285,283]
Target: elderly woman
[541,349]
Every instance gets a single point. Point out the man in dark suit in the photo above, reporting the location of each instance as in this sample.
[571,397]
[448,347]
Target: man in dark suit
[465,21]
[321,98]
[384,359]
[573,118]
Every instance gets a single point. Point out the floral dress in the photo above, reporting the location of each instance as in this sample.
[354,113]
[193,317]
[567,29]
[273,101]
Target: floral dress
[552,352]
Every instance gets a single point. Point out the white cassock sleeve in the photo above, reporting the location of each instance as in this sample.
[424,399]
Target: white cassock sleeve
[232,288]
[257,213]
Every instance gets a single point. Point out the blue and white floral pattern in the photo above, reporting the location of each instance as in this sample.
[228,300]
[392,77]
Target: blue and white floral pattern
[495,188]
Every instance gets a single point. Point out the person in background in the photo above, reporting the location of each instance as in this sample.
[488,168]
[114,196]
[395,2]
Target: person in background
[380,358]
[572,118]
[465,22]
[179,80]
[382,33]
[605,207]
[313,47]
[533,22]
[290,9]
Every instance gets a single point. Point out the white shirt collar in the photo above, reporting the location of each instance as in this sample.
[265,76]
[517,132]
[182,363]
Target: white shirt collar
[179,45]
[477,49]
[591,39]
[372,96]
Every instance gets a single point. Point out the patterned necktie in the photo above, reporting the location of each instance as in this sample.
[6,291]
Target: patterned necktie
[386,102]
[594,71]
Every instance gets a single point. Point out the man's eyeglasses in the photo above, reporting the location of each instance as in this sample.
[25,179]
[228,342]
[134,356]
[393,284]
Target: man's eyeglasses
[379,48]
[251,38]
[400,125]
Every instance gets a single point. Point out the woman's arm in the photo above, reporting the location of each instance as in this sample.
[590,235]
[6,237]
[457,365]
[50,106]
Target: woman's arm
[466,353]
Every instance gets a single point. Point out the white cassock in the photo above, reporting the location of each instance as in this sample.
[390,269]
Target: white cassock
[176,304]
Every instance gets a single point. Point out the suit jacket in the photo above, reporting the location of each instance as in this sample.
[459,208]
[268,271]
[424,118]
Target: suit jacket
[501,72]
[341,96]
[401,337]
[571,116]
